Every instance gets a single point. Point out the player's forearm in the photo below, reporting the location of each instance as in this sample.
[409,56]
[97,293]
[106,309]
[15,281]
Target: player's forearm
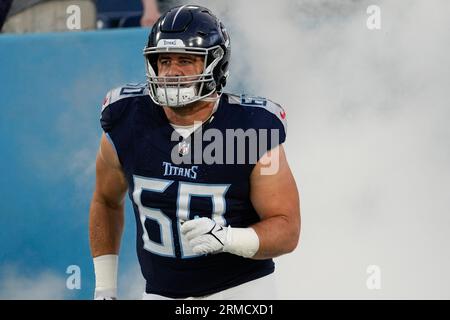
[269,238]
[277,235]
[105,232]
[105,227]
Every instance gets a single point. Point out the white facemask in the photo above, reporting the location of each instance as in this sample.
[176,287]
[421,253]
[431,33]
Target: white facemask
[179,91]
[176,97]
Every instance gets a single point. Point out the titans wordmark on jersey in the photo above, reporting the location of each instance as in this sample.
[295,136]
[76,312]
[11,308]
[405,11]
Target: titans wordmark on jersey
[164,193]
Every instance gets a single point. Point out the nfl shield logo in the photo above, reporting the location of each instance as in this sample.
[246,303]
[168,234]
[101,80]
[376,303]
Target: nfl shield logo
[183,148]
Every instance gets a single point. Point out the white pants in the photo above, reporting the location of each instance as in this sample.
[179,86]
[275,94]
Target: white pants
[260,289]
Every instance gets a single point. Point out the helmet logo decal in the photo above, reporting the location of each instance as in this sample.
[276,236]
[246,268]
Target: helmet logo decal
[170,43]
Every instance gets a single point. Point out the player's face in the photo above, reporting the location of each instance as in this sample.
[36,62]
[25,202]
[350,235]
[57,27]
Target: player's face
[179,64]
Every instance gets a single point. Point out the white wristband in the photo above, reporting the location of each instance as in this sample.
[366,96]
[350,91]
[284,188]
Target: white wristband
[242,242]
[105,268]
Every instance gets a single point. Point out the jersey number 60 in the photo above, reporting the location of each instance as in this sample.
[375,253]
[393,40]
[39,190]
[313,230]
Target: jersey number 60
[186,190]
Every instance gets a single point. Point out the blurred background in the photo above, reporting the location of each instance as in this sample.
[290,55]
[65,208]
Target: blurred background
[367,105]
[28,16]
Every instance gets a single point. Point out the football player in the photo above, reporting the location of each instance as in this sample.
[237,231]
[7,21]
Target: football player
[206,229]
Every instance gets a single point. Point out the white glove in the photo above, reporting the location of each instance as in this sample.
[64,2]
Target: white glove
[206,236]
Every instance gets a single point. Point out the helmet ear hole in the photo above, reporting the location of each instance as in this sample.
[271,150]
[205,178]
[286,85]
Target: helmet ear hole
[218,53]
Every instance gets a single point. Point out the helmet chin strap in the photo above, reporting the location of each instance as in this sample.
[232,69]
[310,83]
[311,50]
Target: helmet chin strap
[211,99]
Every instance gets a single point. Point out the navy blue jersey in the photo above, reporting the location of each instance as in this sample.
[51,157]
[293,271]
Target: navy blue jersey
[164,193]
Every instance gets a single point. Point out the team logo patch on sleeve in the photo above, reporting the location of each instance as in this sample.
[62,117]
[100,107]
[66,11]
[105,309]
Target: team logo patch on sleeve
[106,100]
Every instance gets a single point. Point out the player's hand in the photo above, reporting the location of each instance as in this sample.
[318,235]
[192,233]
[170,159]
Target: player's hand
[204,235]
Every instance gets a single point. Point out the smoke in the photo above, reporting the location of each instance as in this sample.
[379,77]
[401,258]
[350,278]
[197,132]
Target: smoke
[367,142]
[42,285]
[368,139]
[131,283]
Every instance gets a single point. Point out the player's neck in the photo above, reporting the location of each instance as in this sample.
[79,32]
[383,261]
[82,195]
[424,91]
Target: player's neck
[187,115]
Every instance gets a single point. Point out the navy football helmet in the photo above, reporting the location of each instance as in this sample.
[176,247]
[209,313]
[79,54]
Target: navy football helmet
[188,29]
